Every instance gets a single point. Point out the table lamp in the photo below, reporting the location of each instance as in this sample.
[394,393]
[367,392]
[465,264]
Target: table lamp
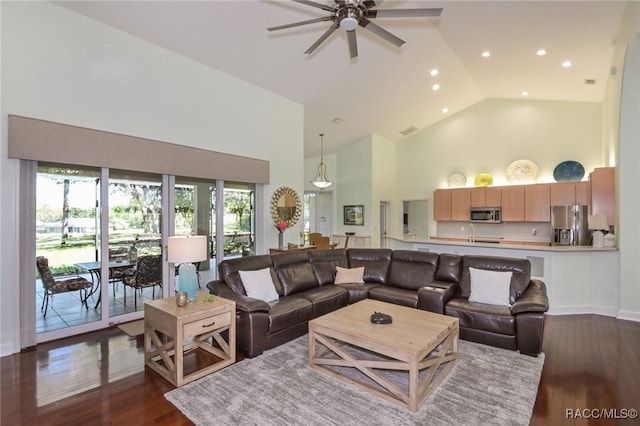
[184,250]
[599,223]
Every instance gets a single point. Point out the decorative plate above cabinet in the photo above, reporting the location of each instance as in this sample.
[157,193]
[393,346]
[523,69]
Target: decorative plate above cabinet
[483,179]
[568,171]
[456,180]
[522,171]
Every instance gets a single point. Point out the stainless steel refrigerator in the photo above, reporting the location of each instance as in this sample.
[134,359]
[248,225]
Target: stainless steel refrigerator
[569,226]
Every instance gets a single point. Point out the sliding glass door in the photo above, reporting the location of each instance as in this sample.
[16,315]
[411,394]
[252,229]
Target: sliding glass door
[66,230]
[135,241]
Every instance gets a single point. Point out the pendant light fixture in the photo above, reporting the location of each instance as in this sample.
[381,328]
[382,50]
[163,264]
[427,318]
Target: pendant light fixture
[321,180]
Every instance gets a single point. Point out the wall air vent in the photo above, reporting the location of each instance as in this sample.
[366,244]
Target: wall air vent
[589,81]
[409,130]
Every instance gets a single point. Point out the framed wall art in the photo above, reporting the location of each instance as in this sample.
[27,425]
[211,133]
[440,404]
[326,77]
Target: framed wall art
[354,215]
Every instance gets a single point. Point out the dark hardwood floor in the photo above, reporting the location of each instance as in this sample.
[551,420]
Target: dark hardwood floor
[591,362]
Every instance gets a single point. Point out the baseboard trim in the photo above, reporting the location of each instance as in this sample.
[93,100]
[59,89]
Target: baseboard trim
[581,310]
[7,349]
[628,315]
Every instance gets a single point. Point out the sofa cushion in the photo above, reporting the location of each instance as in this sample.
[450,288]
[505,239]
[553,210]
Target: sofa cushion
[294,271]
[349,275]
[479,316]
[491,287]
[520,279]
[375,261]
[449,266]
[395,295]
[324,263]
[412,269]
[259,284]
[289,311]
[325,299]
[228,271]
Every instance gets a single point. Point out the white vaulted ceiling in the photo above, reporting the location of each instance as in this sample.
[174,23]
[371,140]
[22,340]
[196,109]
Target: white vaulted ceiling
[386,89]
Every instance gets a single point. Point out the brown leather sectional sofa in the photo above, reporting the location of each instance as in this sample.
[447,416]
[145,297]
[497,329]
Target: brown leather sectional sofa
[435,282]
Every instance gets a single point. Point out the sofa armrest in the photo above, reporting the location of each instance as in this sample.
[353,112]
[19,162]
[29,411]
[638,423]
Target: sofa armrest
[435,296]
[534,299]
[243,303]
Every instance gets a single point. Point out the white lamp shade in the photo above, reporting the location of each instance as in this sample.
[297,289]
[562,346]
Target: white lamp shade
[187,248]
[598,221]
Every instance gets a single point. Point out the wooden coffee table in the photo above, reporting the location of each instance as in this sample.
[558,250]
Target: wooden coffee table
[418,342]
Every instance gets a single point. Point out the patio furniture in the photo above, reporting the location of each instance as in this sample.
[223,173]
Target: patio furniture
[53,286]
[148,274]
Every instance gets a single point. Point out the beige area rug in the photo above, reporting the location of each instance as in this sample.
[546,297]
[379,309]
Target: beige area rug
[133,328]
[488,386]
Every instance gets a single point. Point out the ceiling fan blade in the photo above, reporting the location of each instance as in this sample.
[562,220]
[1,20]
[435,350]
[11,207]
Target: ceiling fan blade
[381,32]
[322,38]
[372,3]
[314,4]
[296,24]
[404,13]
[353,45]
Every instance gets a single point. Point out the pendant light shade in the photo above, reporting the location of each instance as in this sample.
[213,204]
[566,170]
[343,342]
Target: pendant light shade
[321,180]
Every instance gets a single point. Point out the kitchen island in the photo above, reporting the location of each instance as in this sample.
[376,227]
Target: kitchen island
[579,279]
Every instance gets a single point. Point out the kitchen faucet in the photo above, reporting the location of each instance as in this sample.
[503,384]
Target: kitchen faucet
[472,233]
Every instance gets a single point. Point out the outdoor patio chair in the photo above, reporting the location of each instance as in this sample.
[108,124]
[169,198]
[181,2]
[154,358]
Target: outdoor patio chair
[53,286]
[148,274]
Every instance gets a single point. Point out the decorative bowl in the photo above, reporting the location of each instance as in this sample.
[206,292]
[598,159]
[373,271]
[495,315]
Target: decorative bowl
[568,171]
[456,179]
[483,179]
[522,171]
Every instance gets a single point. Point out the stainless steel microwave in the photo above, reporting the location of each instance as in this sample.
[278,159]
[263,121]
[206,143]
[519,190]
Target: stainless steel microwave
[486,214]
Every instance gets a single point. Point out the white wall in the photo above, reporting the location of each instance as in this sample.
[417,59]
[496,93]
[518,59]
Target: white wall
[63,67]
[383,180]
[622,109]
[354,185]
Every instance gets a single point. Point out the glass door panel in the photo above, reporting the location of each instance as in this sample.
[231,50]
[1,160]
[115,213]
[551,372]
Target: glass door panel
[67,226]
[135,241]
[194,216]
[239,219]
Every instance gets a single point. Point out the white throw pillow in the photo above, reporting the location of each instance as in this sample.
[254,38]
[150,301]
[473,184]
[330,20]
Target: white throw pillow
[259,284]
[349,276]
[491,287]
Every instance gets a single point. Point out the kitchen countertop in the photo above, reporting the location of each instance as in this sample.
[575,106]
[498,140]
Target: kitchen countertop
[457,241]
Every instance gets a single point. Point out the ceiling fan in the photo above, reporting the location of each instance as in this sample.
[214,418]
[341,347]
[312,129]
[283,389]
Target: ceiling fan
[348,14]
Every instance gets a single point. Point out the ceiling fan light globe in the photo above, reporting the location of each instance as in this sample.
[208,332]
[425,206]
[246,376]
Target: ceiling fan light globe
[348,23]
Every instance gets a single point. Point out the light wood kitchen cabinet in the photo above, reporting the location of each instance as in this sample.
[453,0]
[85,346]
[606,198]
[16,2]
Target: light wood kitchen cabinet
[582,193]
[568,193]
[486,197]
[536,203]
[442,205]
[460,204]
[512,203]
[603,189]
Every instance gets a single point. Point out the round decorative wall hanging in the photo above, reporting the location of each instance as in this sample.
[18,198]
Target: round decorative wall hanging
[483,179]
[456,179]
[568,171]
[522,171]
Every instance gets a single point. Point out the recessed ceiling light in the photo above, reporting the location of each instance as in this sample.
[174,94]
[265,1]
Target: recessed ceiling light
[486,54]
[445,110]
[434,72]
[541,52]
[525,93]
[435,87]
[566,64]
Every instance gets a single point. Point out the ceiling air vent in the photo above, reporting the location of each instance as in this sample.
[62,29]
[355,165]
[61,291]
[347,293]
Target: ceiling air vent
[409,130]
[589,81]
